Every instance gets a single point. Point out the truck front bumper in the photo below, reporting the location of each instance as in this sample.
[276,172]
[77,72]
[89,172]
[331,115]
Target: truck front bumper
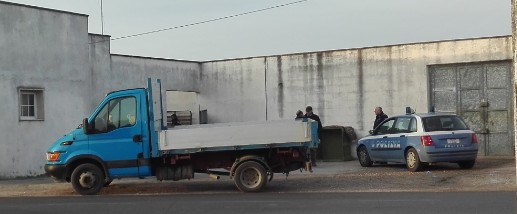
[56,171]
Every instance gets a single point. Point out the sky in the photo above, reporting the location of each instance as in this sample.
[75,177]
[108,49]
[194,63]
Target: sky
[312,25]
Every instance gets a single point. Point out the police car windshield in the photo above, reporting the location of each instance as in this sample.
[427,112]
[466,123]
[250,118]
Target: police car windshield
[443,123]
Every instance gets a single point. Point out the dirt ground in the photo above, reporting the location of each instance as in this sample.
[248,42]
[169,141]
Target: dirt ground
[489,174]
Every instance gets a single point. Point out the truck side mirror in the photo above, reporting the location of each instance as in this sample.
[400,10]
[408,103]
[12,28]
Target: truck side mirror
[86,127]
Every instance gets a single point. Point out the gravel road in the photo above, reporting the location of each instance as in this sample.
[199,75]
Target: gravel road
[489,174]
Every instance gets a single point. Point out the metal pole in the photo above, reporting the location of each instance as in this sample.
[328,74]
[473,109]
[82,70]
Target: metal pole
[514,72]
[102,21]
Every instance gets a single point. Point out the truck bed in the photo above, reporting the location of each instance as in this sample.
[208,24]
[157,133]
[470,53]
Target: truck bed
[236,136]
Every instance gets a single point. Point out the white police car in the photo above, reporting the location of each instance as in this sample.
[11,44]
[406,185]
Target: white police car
[419,139]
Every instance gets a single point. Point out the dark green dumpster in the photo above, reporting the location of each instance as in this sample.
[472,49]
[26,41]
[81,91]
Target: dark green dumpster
[336,142]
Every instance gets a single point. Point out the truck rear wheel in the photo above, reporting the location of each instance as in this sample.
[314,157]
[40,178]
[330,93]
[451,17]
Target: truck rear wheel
[87,179]
[250,176]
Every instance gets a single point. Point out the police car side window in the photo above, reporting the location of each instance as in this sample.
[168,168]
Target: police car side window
[402,125]
[412,127]
[386,127]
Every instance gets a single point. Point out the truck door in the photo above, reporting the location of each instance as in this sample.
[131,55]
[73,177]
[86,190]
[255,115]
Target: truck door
[117,136]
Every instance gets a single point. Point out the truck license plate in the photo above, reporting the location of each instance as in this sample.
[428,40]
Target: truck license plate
[451,141]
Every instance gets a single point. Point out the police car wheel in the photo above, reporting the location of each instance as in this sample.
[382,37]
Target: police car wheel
[413,163]
[364,157]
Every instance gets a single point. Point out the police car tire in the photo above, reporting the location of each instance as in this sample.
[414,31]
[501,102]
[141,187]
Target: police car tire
[364,157]
[467,164]
[417,165]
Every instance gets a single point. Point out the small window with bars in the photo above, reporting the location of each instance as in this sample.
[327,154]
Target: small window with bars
[31,104]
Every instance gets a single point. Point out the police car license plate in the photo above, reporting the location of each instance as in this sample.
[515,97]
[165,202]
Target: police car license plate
[453,141]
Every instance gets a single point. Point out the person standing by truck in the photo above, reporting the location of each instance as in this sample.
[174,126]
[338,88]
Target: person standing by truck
[174,120]
[299,115]
[310,114]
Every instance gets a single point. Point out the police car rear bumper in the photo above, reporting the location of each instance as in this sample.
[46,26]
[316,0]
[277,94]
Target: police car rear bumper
[449,156]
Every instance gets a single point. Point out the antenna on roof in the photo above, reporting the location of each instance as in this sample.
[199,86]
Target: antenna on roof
[102,21]
[431,109]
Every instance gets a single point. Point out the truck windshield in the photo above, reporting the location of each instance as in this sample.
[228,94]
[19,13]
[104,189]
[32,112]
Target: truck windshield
[117,113]
[443,123]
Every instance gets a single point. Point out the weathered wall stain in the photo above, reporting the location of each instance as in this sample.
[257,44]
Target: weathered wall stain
[320,84]
[280,94]
[360,86]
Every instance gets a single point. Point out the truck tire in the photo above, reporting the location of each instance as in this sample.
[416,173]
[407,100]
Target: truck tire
[413,163]
[87,179]
[250,176]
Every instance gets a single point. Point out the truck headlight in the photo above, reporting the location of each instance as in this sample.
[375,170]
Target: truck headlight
[53,156]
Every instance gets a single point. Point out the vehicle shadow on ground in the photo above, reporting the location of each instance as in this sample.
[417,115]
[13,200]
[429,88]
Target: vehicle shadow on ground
[480,165]
[438,166]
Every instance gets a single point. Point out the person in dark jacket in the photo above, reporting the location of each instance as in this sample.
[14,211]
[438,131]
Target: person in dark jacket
[311,115]
[379,116]
[299,115]
[175,121]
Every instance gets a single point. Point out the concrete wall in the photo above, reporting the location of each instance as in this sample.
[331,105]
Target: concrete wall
[100,68]
[132,72]
[43,49]
[184,101]
[233,90]
[52,50]
[343,86]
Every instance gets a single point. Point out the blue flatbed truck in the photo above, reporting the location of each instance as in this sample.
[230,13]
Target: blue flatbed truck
[126,136]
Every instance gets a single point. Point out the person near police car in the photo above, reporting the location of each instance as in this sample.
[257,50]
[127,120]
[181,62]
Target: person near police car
[380,116]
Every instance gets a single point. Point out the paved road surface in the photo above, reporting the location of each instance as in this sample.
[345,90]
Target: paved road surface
[285,203]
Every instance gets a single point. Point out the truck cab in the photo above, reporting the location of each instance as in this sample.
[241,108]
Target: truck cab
[114,138]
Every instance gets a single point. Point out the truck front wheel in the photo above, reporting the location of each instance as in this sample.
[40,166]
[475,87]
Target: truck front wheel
[250,176]
[87,179]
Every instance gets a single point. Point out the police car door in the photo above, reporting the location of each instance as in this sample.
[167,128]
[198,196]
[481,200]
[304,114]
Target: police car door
[379,150]
[398,138]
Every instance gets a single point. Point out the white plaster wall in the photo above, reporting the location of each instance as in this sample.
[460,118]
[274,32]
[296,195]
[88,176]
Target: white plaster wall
[100,68]
[44,49]
[233,90]
[184,101]
[343,86]
[397,76]
[132,72]
[327,81]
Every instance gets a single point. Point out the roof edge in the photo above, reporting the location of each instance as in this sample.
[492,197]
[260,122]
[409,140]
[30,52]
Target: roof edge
[42,8]
[155,58]
[360,48]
